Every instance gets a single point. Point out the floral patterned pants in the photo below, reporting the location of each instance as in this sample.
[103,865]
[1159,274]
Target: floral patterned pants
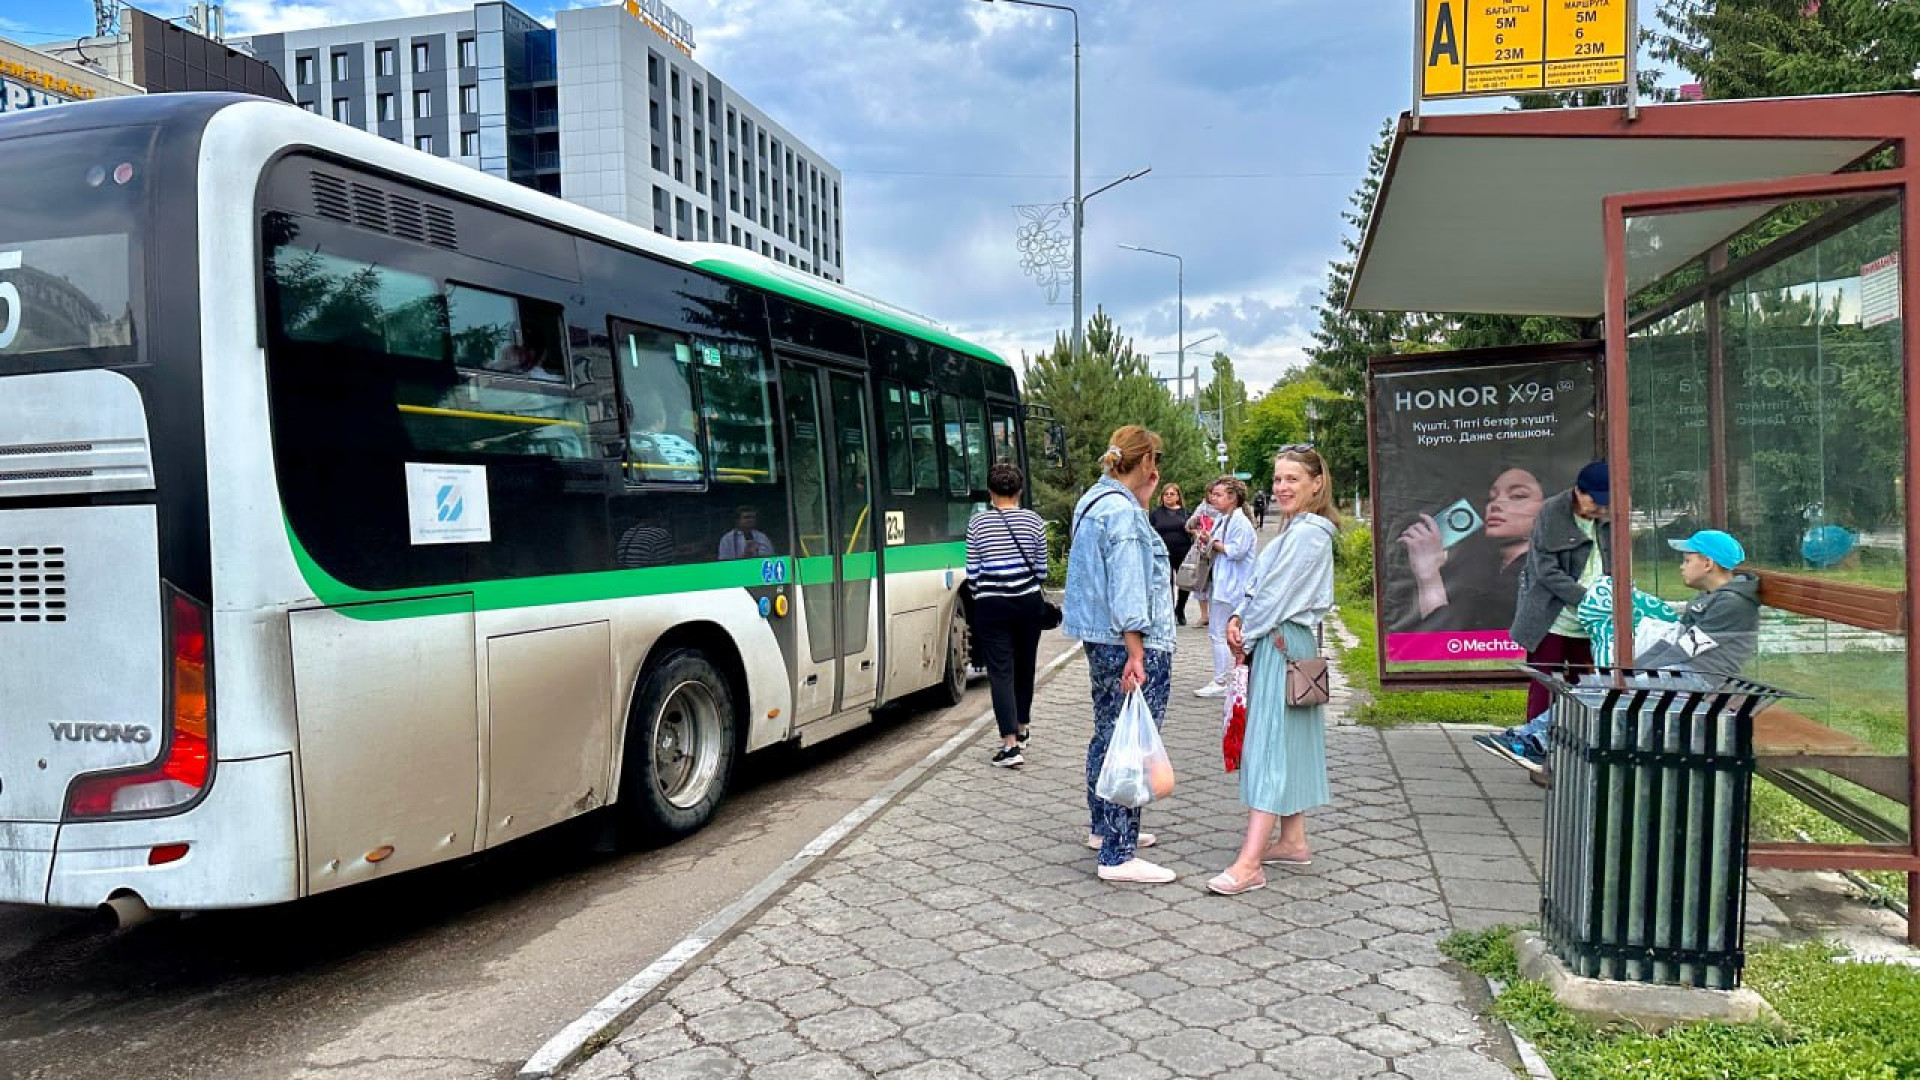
[1118,827]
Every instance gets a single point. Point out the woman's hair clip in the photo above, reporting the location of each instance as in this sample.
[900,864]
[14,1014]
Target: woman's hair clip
[1114,452]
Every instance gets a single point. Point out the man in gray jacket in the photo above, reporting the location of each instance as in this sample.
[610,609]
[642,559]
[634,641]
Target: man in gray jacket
[1569,551]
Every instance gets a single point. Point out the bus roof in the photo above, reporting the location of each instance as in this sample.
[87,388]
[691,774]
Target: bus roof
[298,125]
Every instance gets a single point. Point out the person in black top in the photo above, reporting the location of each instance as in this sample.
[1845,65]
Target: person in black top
[1170,521]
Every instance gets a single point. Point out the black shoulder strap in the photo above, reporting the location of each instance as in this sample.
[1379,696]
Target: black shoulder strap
[1017,546]
[1075,531]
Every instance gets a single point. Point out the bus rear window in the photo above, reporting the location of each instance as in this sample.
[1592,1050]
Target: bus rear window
[70,205]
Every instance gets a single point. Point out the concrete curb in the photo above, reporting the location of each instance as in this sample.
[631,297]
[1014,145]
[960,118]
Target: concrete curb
[1530,1059]
[578,1040]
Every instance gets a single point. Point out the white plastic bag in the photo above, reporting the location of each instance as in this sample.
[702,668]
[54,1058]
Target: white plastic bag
[1137,770]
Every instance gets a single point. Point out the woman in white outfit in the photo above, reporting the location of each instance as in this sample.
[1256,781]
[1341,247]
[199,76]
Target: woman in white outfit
[1233,540]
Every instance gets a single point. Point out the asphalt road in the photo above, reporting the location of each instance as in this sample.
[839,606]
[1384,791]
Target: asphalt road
[461,971]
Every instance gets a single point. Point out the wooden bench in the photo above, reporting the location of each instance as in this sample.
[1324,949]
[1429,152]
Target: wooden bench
[1789,749]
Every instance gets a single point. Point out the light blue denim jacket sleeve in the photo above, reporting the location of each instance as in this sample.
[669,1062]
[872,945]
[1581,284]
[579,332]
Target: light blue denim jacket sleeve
[1118,580]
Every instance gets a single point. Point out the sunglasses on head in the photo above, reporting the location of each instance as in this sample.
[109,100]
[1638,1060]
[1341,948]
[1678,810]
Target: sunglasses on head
[1295,448]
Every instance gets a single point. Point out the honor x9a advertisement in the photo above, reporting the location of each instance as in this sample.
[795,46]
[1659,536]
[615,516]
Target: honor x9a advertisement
[1466,446]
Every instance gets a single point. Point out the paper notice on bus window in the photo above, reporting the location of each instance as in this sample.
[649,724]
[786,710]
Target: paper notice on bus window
[1880,291]
[447,504]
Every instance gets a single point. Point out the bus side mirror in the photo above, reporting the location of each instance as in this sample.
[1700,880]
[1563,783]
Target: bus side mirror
[1055,445]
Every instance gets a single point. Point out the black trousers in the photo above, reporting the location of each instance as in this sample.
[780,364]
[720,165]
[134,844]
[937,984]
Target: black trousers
[1006,633]
[1179,595]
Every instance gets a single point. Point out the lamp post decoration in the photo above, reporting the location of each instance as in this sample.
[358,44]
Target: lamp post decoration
[1045,255]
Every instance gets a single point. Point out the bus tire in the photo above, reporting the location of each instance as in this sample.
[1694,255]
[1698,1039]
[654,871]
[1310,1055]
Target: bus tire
[682,737]
[953,682]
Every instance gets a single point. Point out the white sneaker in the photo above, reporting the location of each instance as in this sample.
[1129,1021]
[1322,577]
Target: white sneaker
[1212,689]
[1138,872]
[1146,839]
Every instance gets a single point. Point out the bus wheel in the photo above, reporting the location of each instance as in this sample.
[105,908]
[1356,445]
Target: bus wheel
[680,747]
[953,686]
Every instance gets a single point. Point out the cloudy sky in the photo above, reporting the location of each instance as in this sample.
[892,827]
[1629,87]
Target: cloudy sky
[945,115]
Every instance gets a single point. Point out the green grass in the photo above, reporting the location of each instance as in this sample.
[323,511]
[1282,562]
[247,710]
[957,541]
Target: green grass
[1841,1022]
[1392,708]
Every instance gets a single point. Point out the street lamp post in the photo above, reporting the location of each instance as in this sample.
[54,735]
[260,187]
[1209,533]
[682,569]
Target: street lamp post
[1079,217]
[1180,294]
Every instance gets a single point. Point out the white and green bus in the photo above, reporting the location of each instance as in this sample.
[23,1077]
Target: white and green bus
[360,511]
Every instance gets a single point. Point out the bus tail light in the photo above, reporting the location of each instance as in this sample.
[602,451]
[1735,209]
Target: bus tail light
[182,774]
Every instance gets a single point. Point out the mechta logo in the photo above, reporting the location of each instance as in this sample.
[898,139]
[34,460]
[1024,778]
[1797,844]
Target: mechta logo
[449,503]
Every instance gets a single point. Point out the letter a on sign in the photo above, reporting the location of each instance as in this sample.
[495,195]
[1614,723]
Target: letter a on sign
[1441,70]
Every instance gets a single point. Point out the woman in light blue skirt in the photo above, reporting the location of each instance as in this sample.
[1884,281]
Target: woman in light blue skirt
[1283,765]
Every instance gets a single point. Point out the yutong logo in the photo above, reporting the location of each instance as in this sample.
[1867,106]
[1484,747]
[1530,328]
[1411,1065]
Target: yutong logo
[71,732]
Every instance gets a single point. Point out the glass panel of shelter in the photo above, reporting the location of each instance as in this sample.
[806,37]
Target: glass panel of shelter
[1806,393]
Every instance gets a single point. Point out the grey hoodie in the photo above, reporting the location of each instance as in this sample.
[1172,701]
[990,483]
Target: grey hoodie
[1730,616]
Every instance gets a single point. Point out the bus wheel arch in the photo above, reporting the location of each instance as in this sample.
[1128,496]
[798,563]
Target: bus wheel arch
[684,735]
[959,649]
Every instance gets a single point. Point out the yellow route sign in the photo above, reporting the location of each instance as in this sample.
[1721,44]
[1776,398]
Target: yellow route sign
[1470,48]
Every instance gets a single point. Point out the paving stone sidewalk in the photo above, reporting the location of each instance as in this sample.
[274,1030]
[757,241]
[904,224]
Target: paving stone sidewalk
[962,932]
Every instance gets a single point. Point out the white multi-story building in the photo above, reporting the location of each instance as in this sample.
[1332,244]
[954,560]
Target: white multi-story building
[607,109]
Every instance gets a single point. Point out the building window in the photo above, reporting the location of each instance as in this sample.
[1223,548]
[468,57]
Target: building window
[653,115]
[340,67]
[423,103]
[698,101]
[469,143]
[303,71]
[673,79]
[657,166]
[423,143]
[470,99]
[343,110]
[469,53]
[736,236]
[383,61]
[311,106]
[388,111]
[653,70]
[422,54]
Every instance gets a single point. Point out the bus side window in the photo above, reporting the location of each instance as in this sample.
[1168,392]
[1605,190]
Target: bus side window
[1005,444]
[893,418]
[926,456]
[656,384]
[953,433]
[505,335]
[736,400]
[977,446]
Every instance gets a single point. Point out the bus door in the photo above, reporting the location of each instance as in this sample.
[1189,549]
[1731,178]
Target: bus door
[830,448]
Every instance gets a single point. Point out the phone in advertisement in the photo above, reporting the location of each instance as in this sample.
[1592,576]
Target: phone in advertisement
[1457,521]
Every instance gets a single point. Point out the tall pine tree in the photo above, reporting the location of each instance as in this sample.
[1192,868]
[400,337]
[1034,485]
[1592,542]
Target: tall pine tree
[1109,386]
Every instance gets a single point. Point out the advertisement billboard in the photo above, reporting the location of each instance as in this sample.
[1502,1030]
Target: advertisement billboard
[1465,448]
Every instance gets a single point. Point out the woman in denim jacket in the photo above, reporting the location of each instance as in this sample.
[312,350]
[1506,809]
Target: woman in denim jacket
[1119,604]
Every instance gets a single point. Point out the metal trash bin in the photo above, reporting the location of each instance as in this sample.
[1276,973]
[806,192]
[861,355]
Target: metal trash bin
[1644,870]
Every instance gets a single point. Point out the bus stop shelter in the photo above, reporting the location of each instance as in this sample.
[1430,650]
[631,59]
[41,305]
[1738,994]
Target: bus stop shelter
[1748,263]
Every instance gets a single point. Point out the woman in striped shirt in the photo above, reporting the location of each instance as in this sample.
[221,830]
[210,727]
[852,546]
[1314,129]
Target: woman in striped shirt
[1006,562]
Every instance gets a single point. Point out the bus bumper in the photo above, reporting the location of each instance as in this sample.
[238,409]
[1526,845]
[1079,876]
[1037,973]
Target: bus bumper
[241,848]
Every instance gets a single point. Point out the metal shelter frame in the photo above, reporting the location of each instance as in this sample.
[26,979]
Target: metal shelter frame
[1714,161]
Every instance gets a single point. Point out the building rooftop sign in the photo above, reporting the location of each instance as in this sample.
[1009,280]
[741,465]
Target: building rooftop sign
[29,79]
[1470,48]
[665,21]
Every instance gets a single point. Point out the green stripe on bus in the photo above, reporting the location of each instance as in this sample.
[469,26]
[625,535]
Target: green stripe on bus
[367,604]
[748,275]
[911,558]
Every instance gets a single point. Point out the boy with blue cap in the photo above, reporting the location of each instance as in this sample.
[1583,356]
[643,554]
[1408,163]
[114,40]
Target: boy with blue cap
[1717,634]
[1721,627]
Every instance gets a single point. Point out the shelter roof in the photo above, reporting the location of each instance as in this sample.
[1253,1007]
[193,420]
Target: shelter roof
[1500,213]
